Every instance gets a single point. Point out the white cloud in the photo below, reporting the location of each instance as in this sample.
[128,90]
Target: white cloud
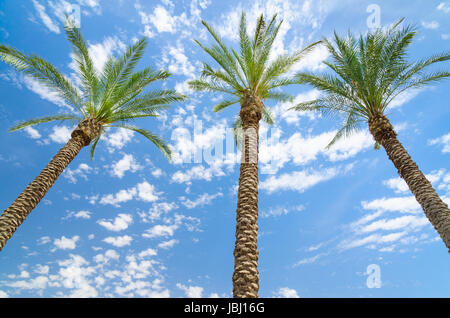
[280,210]
[118,241]
[127,163]
[313,61]
[407,221]
[397,184]
[309,260]
[80,172]
[155,212]
[61,134]
[275,153]
[48,22]
[73,274]
[148,252]
[191,291]
[430,25]
[398,204]
[44,92]
[160,231]
[293,117]
[372,239]
[177,61]
[162,20]
[106,257]
[32,132]
[65,243]
[443,140]
[119,197]
[286,292]
[83,214]
[100,52]
[44,240]
[300,180]
[168,229]
[404,97]
[197,173]
[142,191]
[118,139]
[146,192]
[3,294]
[168,244]
[443,6]
[202,200]
[120,223]
[40,282]
[42,269]
[157,172]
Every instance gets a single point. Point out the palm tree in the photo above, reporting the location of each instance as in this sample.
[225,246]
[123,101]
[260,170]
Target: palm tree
[368,73]
[110,99]
[248,77]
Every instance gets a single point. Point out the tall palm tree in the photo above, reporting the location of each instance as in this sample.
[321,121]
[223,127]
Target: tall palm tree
[367,74]
[248,78]
[111,98]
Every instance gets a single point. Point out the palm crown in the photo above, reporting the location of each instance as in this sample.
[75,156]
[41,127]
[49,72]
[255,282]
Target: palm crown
[250,71]
[369,72]
[112,98]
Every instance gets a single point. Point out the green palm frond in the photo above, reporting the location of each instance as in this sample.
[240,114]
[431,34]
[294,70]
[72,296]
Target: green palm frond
[93,147]
[86,71]
[267,116]
[248,69]
[224,104]
[117,73]
[41,120]
[368,72]
[42,71]
[159,143]
[113,97]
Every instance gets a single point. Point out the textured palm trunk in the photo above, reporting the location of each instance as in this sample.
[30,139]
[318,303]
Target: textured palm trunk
[246,276]
[14,216]
[435,209]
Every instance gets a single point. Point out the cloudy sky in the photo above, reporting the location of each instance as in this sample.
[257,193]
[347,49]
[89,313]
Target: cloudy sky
[131,224]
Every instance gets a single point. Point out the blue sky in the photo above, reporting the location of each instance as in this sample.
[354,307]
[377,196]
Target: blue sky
[130,224]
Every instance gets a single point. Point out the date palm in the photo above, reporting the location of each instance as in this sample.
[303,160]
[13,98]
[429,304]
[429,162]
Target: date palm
[111,98]
[247,77]
[368,73]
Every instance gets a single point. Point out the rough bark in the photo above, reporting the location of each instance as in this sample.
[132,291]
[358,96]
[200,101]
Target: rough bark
[435,209]
[246,276]
[14,215]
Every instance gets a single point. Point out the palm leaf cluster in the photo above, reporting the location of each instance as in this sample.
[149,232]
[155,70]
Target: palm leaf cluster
[368,73]
[250,70]
[113,97]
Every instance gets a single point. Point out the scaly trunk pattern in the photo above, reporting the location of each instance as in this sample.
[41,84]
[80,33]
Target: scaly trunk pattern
[246,276]
[435,209]
[14,216]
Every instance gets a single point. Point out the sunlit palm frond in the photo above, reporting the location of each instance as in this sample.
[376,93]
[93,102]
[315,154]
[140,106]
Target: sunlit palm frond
[368,73]
[41,120]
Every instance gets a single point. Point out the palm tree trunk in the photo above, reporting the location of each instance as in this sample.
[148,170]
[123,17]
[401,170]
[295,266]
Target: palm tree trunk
[14,216]
[435,209]
[246,276]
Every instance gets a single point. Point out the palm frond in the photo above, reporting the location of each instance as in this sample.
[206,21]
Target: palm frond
[87,72]
[41,120]
[224,104]
[157,141]
[42,71]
